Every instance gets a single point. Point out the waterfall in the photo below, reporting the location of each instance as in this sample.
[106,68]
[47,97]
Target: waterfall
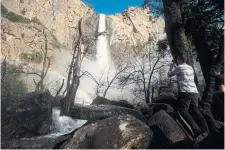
[103,53]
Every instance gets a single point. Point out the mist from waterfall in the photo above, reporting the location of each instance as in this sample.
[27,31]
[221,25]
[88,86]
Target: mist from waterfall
[102,67]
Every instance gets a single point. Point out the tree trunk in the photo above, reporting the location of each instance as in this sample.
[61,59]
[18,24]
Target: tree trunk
[177,39]
[149,81]
[74,75]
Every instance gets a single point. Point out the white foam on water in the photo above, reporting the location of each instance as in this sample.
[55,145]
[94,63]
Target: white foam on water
[64,124]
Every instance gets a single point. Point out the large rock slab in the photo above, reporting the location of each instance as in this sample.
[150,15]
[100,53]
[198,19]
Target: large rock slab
[173,102]
[104,101]
[44,142]
[161,106]
[98,112]
[26,116]
[150,109]
[166,127]
[112,133]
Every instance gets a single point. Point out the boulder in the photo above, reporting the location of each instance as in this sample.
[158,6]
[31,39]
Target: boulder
[26,116]
[104,101]
[123,131]
[147,111]
[160,106]
[166,128]
[56,102]
[173,102]
[98,112]
[43,142]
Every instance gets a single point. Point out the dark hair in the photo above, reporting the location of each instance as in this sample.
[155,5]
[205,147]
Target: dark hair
[183,58]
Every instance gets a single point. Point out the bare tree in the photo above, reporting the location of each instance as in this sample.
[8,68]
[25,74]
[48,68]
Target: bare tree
[103,84]
[146,63]
[73,80]
[45,65]
[74,74]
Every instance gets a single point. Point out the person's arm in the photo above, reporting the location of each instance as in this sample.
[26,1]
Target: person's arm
[221,88]
[221,85]
[172,72]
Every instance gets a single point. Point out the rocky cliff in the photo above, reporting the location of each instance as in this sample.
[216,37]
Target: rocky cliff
[133,27]
[59,16]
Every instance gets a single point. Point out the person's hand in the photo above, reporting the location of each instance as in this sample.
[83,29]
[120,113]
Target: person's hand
[171,65]
[175,65]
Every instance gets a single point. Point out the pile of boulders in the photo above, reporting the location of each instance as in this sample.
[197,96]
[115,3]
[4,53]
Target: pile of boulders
[120,125]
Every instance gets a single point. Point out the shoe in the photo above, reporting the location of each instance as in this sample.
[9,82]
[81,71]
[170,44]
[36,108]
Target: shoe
[200,137]
[215,130]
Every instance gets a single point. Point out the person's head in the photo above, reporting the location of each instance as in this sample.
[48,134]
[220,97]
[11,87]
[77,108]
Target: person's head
[181,59]
[216,72]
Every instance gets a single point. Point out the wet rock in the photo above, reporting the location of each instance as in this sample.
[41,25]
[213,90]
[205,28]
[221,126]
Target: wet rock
[26,116]
[166,128]
[104,101]
[98,112]
[123,131]
[160,106]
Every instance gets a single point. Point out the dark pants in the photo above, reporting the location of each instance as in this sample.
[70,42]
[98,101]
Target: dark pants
[189,103]
[216,105]
[207,113]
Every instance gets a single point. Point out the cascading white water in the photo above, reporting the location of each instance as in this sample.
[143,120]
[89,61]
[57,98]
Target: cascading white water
[61,125]
[103,53]
[64,124]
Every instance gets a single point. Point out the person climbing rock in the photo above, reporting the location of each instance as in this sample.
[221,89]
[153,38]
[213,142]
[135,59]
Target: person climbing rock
[188,97]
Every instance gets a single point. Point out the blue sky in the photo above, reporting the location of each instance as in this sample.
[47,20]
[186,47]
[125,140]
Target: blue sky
[109,7]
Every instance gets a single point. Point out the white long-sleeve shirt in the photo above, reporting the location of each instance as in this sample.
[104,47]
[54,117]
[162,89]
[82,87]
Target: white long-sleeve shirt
[185,77]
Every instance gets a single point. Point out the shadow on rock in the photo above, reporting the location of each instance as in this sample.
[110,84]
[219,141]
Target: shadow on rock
[25,116]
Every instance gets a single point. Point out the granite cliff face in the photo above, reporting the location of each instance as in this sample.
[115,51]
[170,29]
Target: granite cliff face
[60,17]
[134,26]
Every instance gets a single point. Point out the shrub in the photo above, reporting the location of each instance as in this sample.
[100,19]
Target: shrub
[11,84]
[33,57]
[36,20]
[12,16]
[17,18]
